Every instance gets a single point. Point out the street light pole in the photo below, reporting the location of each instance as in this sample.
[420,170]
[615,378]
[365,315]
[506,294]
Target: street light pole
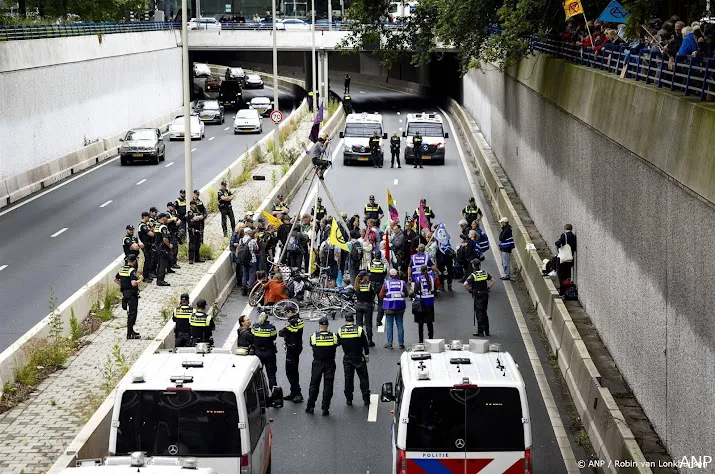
[312,14]
[188,178]
[276,135]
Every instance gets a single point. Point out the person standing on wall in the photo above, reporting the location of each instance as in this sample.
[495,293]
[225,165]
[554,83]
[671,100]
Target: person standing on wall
[224,206]
[506,245]
[566,246]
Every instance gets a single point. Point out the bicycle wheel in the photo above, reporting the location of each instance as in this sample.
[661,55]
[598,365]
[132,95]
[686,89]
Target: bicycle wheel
[280,308]
[256,294]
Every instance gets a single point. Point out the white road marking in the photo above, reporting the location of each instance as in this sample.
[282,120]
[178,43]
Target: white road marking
[142,181]
[372,410]
[381,328]
[227,128]
[106,203]
[193,150]
[3,267]
[362,92]
[554,418]
[211,138]
[395,182]
[58,232]
[168,164]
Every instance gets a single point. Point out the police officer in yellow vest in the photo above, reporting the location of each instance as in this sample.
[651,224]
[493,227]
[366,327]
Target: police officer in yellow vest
[162,247]
[378,273]
[182,325]
[479,283]
[471,212]
[347,105]
[373,211]
[202,325]
[356,355]
[325,345]
[375,150]
[128,282]
[320,212]
[130,243]
[279,207]
[264,345]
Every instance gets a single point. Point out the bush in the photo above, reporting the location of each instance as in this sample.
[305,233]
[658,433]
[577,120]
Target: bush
[76,331]
[183,254]
[48,354]
[212,206]
[206,251]
[26,375]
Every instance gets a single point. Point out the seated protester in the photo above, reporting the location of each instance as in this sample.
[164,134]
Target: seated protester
[276,290]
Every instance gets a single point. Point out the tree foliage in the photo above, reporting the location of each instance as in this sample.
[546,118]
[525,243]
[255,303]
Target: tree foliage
[86,10]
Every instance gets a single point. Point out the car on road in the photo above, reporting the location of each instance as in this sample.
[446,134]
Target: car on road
[142,144]
[212,83]
[292,24]
[176,129]
[433,135]
[209,111]
[247,120]
[235,74]
[230,94]
[359,128]
[201,70]
[253,81]
[204,24]
[263,105]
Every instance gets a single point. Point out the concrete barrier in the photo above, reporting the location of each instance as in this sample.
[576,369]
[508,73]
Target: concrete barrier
[610,436]
[93,440]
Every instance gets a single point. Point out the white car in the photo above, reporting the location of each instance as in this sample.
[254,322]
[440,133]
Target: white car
[253,81]
[246,121]
[263,105]
[176,129]
[204,24]
[292,24]
[201,70]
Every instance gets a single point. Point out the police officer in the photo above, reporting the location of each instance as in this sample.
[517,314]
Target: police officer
[264,336]
[347,105]
[172,224]
[162,247]
[293,335]
[202,209]
[128,282]
[354,344]
[182,317]
[325,345]
[347,84]
[310,100]
[479,283]
[378,273]
[417,148]
[181,209]
[395,149]
[375,150]
[365,294]
[202,325]
[146,236]
[471,212]
[195,223]
[130,243]
[429,214]
[373,211]
[319,213]
[225,196]
[153,219]
[279,207]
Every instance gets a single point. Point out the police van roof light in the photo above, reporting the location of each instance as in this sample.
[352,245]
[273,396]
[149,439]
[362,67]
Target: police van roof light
[423,375]
[495,347]
[180,379]
[420,356]
[137,459]
[456,345]
[189,463]
[460,360]
[435,346]
[202,348]
[138,378]
[479,346]
[192,364]
[418,348]
[242,351]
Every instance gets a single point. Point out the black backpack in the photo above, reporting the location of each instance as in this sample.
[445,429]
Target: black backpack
[243,253]
[356,253]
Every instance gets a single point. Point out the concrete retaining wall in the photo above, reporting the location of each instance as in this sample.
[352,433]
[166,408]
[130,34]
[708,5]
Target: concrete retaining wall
[59,93]
[646,262]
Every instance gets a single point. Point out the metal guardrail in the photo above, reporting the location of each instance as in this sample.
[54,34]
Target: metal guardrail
[690,75]
[28,32]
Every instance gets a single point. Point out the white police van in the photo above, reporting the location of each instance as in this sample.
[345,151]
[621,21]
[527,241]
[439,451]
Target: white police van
[459,409]
[199,403]
[358,130]
[434,137]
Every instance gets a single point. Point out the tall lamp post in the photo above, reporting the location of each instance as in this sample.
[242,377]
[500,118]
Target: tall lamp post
[188,178]
[312,15]
[276,137]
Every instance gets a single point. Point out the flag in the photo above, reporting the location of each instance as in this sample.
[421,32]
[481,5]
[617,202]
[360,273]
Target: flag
[442,237]
[573,8]
[314,131]
[394,215]
[271,219]
[614,13]
[336,238]
[424,223]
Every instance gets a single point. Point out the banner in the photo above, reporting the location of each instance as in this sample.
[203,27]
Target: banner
[573,8]
[423,222]
[336,237]
[271,219]
[614,13]
[394,215]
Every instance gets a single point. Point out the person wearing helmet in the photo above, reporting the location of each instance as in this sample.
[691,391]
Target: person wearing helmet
[417,148]
[479,283]
[182,327]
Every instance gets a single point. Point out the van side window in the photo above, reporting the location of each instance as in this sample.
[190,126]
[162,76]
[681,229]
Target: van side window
[262,389]
[399,388]
[253,410]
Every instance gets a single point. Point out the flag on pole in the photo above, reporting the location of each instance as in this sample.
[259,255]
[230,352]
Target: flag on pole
[313,137]
[442,237]
[424,223]
[387,247]
[336,237]
[394,215]
[573,8]
[271,219]
[614,13]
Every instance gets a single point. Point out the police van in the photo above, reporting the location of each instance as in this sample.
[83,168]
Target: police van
[202,403]
[138,462]
[433,135]
[358,130]
[459,408]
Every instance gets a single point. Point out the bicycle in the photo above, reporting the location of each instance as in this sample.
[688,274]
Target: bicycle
[279,309]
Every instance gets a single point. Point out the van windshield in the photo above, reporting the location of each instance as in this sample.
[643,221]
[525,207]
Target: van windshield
[426,129]
[363,130]
[181,423]
[486,419]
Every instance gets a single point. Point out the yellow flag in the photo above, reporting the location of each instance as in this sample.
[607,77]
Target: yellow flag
[573,7]
[336,238]
[270,219]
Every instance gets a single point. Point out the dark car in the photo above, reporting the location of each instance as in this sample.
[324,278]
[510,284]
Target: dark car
[235,74]
[230,94]
[212,84]
[209,111]
[142,144]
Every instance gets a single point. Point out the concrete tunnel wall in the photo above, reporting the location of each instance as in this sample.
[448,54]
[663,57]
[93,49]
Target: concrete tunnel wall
[646,260]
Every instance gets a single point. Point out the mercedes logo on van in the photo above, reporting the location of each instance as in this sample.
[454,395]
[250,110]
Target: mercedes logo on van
[460,443]
[362,148]
[425,147]
[174,449]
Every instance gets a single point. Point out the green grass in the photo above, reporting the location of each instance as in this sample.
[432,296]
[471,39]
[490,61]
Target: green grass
[251,204]
[212,206]
[183,254]
[206,251]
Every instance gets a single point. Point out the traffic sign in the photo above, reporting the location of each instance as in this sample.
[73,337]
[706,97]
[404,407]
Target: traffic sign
[277,116]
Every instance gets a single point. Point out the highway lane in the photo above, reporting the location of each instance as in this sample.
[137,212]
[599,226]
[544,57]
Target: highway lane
[34,260]
[345,441]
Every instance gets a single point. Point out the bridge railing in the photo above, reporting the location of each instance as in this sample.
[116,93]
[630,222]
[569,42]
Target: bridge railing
[690,75]
[27,32]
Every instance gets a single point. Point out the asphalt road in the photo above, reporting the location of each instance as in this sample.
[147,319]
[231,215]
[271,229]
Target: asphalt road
[32,260]
[345,441]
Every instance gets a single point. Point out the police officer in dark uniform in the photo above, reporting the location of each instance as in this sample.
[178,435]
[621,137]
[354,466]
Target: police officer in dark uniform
[153,219]
[182,317]
[347,105]
[128,282]
[373,211]
[365,294]
[279,207]
[417,148]
[181,209]
[130,243]
[378,273]
[202,325]
[479,283]
[293,335]
[162,247]
[225,196]
[375,150]
[325,345]
[202,209]
[173,223]
[429,214]
[264,337]
[471,212]
[146,236]
[395,149]
[319,213]
[195,223]
[354,344]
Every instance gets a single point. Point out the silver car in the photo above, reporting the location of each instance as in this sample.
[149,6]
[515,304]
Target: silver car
[210,111]
[142,144]
[253,81]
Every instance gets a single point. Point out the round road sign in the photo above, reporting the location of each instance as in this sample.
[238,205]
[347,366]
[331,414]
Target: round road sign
[277,116]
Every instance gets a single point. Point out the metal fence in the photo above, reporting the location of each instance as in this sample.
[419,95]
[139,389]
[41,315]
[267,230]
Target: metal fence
[27,32]
[693,76]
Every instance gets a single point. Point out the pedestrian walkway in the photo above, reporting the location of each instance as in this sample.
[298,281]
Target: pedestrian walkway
[36,432]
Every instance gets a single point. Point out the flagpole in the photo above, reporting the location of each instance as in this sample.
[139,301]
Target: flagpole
[587,28]
[335,206]
[314,227]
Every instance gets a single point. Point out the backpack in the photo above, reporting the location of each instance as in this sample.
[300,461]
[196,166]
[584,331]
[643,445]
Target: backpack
[243,253]
[293,243]
[356,253]
[328,255]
